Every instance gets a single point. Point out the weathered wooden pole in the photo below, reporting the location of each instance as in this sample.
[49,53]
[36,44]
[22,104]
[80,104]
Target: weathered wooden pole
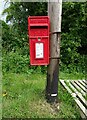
[54,12]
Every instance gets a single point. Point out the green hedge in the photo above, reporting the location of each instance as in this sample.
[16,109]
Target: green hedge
[17,63]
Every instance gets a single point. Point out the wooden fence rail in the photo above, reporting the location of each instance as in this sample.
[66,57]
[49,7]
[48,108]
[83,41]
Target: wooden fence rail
[78,90]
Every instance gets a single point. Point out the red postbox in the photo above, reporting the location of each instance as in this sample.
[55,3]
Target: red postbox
[38,29]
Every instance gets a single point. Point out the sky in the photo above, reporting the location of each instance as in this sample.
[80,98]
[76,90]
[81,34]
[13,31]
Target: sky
[2,7]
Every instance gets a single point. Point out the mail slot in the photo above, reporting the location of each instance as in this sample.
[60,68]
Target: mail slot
[38,30]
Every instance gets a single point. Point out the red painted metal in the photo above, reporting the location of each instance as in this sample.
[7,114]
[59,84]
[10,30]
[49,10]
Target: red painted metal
[38,30]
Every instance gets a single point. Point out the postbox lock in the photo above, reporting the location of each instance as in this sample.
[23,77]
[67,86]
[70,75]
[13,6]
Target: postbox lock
[39,39]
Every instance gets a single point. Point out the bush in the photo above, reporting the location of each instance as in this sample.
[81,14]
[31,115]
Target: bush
[15,62]
[78,66]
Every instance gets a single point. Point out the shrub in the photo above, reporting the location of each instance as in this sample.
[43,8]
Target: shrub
[15,62]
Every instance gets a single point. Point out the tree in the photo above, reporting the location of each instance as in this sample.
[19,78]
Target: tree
[74,27]
[17,15]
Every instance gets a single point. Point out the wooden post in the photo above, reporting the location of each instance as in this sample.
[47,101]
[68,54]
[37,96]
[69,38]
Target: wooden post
[54,12]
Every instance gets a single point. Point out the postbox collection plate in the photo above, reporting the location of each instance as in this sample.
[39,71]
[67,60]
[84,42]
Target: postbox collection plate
[39,50]
[38,30]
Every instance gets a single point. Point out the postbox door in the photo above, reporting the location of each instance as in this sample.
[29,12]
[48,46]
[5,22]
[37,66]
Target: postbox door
[38,27]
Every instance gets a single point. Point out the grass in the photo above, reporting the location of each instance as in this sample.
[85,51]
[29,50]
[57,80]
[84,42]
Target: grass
[72,76]
[86,97]
[24,97]
[0,95]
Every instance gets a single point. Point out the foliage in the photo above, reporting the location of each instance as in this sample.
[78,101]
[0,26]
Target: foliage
[17,14]
[73,41]
[15,62]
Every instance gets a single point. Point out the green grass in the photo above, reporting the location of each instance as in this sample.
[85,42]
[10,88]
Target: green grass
[72,76]
[0,95]
[24,97]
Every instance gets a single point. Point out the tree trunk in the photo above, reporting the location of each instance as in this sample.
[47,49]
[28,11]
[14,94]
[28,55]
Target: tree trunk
[54,12]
